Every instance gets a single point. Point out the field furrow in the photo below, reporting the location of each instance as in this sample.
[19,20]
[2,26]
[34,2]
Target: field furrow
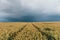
[30,31]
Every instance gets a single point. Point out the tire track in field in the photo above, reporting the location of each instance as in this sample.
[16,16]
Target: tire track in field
[49,37]
[13,35]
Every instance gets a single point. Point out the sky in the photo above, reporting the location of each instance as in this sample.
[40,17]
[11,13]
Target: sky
[29,10]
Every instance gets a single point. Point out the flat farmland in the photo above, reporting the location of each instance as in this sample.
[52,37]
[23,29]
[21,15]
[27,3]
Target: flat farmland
[29,30]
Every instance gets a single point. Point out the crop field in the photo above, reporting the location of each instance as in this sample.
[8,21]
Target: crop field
[29,30]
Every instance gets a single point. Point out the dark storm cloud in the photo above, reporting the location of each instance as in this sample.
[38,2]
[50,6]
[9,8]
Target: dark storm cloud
[29,10]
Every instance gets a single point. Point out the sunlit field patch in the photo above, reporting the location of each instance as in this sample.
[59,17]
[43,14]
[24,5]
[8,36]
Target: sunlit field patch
[30,31]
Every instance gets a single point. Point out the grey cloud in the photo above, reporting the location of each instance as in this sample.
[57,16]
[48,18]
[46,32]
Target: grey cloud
[29,10]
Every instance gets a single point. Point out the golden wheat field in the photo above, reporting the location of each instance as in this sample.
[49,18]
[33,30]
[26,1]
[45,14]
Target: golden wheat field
[30,31]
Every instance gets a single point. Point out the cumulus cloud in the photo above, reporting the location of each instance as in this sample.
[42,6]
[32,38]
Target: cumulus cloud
[18,9]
